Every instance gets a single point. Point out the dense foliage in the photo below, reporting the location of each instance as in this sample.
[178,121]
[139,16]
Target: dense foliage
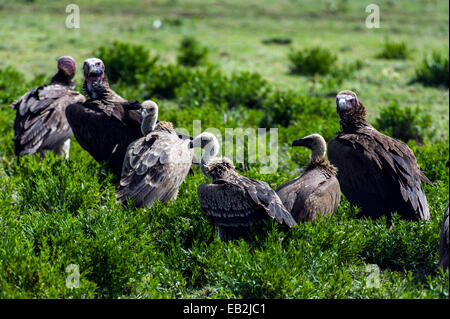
[405,123]
[312,61]
[394,50]
[434,70]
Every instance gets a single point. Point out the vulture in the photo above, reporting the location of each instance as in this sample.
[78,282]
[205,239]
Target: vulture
[317,189]
[156,164]
[40,122]
[231,201]
[443,243]
[105,124]
[377,173]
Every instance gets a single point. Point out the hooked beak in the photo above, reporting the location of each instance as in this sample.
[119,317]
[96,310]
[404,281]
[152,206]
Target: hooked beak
[341,103]
[302,142]
[191,144]
[93,70]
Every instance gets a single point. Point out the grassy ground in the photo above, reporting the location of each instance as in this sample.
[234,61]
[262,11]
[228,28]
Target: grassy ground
[55,213]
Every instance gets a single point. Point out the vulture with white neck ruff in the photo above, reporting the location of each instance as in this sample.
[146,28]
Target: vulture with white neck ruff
[155,165]
[317,190]
[232,201]
[106,123]
[40,122]
[377,173]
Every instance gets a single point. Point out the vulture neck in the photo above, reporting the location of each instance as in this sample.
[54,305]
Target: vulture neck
[318,152]
[353,121]
[100,90]
[148,123]
[353,126]
[323,164]
[210,152]
[62,78]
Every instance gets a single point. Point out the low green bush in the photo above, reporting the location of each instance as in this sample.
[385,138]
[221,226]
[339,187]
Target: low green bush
[394,50]
[405,123]
[312,61]
[125,62]
[434,70]
[191,52]
[12,85]
[212,86]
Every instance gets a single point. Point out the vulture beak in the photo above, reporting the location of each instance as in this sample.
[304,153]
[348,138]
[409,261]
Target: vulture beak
[302,142]
[341,103]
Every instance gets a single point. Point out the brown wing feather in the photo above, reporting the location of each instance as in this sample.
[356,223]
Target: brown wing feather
[154,168]
[379,174]
[313,192]
[105,136]
[40,121]
[238,201]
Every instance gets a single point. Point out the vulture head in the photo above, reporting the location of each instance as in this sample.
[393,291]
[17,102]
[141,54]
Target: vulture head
[149,116]
[67,65]
[212,167]
[349,108]
[315,142]
[94,75]
[206,141]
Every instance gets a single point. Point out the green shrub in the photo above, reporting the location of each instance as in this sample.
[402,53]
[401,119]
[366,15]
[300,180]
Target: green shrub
[312,61]
[394,50]
[286,107]
[211,86]
[125,62]
[191,53]
[277,40]
[162,80]
[433,71]
[12,85]
[405,123]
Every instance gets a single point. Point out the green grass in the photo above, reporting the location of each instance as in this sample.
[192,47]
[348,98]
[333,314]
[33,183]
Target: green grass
[55,213]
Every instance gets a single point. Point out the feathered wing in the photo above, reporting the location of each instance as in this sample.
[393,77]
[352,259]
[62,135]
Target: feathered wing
[309,194]
[40,121]
[236,202]
[104,131]
[376,171]
[154,168]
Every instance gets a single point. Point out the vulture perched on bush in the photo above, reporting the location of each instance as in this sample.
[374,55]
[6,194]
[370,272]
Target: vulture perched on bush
[156,164]
[233,202]
[106,123]
[40,122]
[317,190]
[377,173]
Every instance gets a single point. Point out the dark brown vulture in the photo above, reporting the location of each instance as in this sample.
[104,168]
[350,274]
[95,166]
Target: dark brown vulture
[233,202]
[156,164]
[40,122]
[317,190]
[377,173]
[105,124]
